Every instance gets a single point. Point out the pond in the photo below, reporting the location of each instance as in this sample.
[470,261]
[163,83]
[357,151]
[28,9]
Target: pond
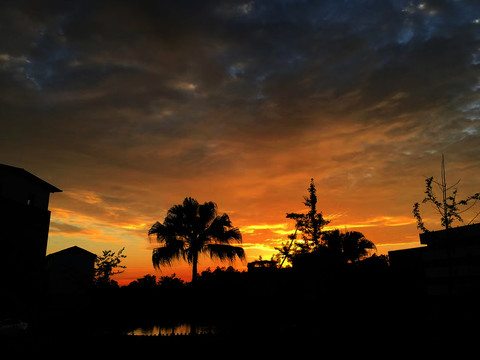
[179,329]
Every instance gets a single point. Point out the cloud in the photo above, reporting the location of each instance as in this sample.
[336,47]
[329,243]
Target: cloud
[379,221]
[131,106]
[275,228]
[109,228]
[279,75]
[65,229]
[283,77]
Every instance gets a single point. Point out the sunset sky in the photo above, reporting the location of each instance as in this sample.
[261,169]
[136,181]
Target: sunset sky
[130,106]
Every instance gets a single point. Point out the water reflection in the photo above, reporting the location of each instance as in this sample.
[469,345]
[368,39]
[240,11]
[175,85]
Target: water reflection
[180,329]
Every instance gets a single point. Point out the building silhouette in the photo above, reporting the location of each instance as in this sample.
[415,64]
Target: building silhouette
[25,222]
[447,264]
[70,271]
[69,281]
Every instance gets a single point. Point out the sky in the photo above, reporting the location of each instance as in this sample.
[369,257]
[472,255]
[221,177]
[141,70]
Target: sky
[131,106]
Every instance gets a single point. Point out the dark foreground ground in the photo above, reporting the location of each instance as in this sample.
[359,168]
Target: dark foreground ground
[405,338]
[272,316]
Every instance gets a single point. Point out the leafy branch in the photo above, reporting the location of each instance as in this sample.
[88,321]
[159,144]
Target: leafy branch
[448,207]
[106,265]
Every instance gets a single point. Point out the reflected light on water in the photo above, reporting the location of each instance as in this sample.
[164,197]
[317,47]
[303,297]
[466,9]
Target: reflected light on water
[180,329]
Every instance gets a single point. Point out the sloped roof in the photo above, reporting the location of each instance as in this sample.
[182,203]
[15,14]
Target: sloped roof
[73,249]
[458,233]
[28,175]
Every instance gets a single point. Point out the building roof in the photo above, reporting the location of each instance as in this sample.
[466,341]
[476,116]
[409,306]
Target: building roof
[459,233]
[72,249]
[22,172]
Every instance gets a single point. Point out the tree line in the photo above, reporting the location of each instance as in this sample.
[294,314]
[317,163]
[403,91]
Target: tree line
[192,229]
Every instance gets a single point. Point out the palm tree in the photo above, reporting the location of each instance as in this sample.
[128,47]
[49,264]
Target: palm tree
[352,245]
[333,240]
[356,246]
[191,229]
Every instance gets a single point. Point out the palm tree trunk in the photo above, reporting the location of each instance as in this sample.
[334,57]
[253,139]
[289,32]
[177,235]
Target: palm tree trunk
[194,268]
[193,324]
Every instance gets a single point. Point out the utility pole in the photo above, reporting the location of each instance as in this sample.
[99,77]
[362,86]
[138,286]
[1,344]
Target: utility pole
[447,226]
[444,194]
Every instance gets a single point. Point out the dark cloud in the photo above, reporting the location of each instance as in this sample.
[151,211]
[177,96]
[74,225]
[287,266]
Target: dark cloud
[129,106]
[166,86]
[65,228]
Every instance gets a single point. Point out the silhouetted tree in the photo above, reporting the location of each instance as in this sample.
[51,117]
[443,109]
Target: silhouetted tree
[448,206]
[316,245]
[356,246]
[351,245]
[309,225]
[191,229]
[219,271]
[333,241]
[285,252]
[147,282]
[171,282]
[376,262]
[105,267]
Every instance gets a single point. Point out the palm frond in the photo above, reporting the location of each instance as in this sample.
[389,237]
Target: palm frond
[233,235]
[222,231]
[165,255]
[163,234]
[175,220]
[224,252]
[156,228]
[207,213]
[189,212]
[356,246]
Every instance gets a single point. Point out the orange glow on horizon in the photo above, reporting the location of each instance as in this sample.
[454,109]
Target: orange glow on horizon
[259,239]
[235,111]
